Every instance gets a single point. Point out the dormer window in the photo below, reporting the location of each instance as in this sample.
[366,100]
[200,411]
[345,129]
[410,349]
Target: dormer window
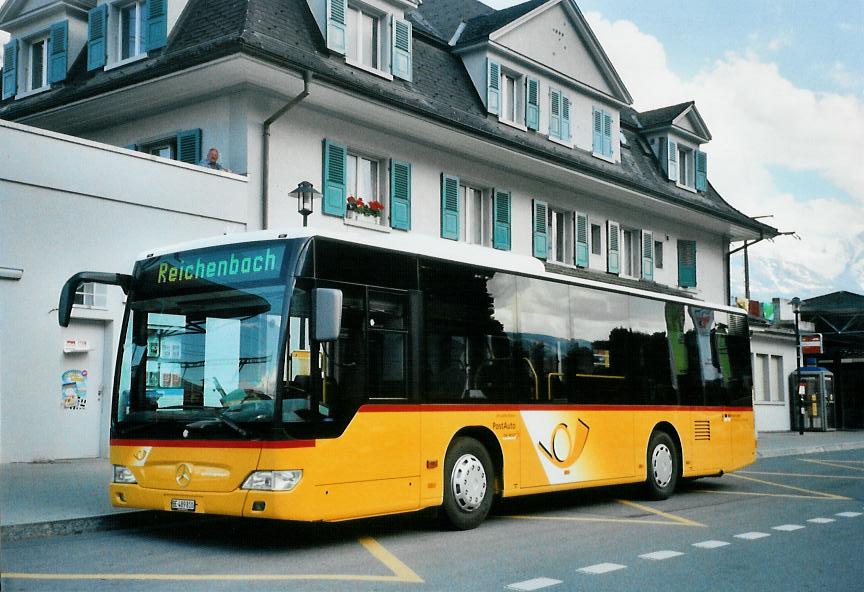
[37,69]
[510,98]
[683,167]
[364,37]
[130,30]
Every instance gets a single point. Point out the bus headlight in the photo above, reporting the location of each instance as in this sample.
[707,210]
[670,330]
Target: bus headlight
[123,475]
[273,480]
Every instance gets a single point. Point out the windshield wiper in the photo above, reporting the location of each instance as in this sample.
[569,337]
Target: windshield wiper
[231,424]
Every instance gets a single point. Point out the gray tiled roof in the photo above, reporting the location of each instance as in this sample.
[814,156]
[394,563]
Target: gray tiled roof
[480,27]
[446,15]
[284,33]
[662,116]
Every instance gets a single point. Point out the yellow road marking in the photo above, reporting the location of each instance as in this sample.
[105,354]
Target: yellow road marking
[801,475]
[401,573]
[399,569]
[793,488]
[673,517]
[598,519]
[831,464]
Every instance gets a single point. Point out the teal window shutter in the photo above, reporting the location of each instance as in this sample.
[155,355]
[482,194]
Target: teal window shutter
[581,257]
[401,50]
[450,215]
[334,183]
[189,146]
[554,113]
[337,29]
[613,247]
[701,171]
[157,24]
[59,44]
[97,23]
[672,163]
[607,134]
[541,237]
[565,117]
[532,104]
[687,263]
[647,255]
[597,127]
[493,87]
[501,220]
[10,69]
[400,195]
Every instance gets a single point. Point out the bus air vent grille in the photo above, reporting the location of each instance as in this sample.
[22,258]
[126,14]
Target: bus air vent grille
[702,429]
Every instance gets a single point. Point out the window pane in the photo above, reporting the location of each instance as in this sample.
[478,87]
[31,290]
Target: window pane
[128,31]
[595,239]
[658,254]
[682,167]
[510,92]
[354,34]
[476,217]
[37,64]
[367,179]
[779,379]
[351,176]
[369,40]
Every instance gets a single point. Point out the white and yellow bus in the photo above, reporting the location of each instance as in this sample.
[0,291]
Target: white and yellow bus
[301,376]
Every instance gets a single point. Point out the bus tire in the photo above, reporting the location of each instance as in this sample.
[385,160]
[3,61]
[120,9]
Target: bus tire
[662,466]
[469,478]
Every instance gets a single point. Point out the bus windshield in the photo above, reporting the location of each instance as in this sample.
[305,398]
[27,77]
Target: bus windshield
[200,355]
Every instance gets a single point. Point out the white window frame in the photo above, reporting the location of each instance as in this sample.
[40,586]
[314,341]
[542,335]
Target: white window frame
[139,27]
[469,220]
[28,82]
[685,168]
[516,108]
[93,295]
[565,234]
[352,40]
[596,242]
[380,180]
[631,253]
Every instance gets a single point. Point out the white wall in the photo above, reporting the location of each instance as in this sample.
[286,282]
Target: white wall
[773,416]
[81,206]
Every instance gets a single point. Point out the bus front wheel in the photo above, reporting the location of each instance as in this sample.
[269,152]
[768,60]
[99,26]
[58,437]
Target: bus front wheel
[663,469]
[469,477]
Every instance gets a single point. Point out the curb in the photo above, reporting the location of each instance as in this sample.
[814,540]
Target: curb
[809,449]
[17,532]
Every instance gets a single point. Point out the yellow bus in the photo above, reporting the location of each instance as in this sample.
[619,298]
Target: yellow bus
[303,376]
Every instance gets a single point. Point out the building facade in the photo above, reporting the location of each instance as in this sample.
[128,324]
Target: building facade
[509,129]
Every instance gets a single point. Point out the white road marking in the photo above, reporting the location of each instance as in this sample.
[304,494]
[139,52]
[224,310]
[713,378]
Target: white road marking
[821,520]
[660,555]
[710,544]
[752,536]
[535,584]
[602,568]
[848,514]
[787,527]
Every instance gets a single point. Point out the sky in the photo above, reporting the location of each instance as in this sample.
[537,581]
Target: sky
[780,84]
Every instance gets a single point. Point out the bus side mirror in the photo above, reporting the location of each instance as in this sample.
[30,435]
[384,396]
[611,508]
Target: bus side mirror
[67,294]
[327,314]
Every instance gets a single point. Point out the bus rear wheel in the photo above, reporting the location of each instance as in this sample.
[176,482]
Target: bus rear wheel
[663,466]
[469,478]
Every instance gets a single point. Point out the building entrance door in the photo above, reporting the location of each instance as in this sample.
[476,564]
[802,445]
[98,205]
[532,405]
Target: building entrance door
[82,390]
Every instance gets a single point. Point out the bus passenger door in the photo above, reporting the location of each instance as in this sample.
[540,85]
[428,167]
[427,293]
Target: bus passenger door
[373,467]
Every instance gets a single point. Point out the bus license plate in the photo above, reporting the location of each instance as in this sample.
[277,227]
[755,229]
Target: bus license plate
[183,505]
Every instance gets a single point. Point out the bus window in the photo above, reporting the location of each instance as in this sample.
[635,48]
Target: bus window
[388,341]
[595,364]
[544,327]
[650,369]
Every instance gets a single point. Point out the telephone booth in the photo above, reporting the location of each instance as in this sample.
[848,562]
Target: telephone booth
[819,413]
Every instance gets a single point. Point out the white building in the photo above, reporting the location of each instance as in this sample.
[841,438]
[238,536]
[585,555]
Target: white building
[510,129]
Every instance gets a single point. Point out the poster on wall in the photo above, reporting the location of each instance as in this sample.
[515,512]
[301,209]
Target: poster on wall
[73,390]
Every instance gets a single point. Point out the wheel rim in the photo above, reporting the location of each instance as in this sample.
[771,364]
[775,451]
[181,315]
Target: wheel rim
[662,465]
[468,481]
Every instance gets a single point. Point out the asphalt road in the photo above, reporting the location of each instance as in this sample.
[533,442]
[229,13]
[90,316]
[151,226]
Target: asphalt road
[790,523]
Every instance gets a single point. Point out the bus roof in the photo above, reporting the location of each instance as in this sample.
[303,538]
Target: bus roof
[431,247]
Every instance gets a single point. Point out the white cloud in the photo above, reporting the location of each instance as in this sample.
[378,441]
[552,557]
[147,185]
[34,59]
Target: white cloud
[843,77]
[761,121]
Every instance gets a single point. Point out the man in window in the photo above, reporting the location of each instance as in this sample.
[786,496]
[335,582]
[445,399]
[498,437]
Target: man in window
[212,161]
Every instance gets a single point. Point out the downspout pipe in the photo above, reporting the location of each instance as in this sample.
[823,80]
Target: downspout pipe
[265,152]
